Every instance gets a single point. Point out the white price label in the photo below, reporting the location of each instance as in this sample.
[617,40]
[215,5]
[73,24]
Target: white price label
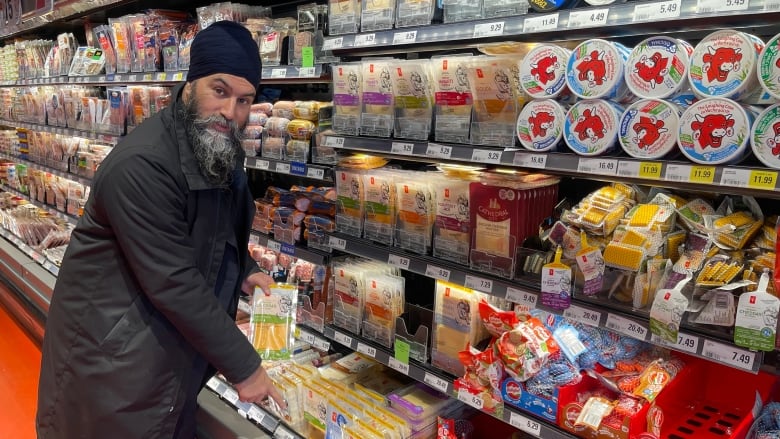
[598,166]
[685,342]
[307,72]
[256,414]
[471,399]
[677,172]
[283,168]
[626,327]
[733,356]
[398,366]
[588,18]
[273,246]
[486,156]
[398,261]
[337,243]
[230,395]
[101,79]
[409,37]
[521,297]
[315,173]
[438,151]
[735,177]
[402,148]
[321,344]
[542,23]
[334,142]
[437,383]
[262,164]
[437,273]
[489,29]
[628,169]
[366,350]
[333,43]
[583,315]
[536,161]
[132,78]
[282,433]
[213,383]
[342,338]
[657,11]
[479,284]
[525,424]
[306,337]
[278,73]
[708,6]
[365,40]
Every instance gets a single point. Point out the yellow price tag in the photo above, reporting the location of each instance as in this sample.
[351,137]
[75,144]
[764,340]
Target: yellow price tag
[650,170]
[148,77]
[763,180]
[162,76]
[702,174]
[178,76]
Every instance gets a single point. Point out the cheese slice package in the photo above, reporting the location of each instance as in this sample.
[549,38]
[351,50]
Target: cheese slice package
[413,99]
[452,228]
[379,206]
[414,213]
[384,303]
[377,99]
[343,17]
[461,10]
[377,15]
[273,321]
[415,12]
[349,295]
[347,94]
[453,98]
[349,201]
[495,221]
[495,105]
[456,325]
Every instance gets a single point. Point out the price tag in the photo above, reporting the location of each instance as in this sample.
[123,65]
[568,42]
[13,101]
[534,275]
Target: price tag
[178,76]
[333,43]
[731,355]
[702,174]
[283,168]
[307,72]
[398,366]
[317,173]
[402,148]
[649,170]
[102,79]
[525,424]
[685,342]
[598,166]
[334,142]
[162,76]
[342,338]
[262,164]
[148,77]
[282,433]
[536,161]
[488,29]
[763,180]
[677,172]
[540,24]
[437,273]
[583,315]
[366,350]
[471,399]
[589,18]
[213,383]
[365,40]
[306,337]
[398,261]
[255,414]
[278,73]
[337,243]
[626,327]
[321,344]
[657,11]
[409,37]
[521,297]
[479,284]
[437,383]
[274,246]
[230,395]
[438,151]
[486,156]
[735,177]
[708,6]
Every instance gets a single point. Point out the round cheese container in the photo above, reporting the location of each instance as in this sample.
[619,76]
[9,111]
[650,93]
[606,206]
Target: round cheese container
[543,71]
[595,70]
[724,65]
[769,67]
[683,100]
[765,137]
[658,67]
[591,126]
[714,131]
[648,129]
[540,125]
[547,5]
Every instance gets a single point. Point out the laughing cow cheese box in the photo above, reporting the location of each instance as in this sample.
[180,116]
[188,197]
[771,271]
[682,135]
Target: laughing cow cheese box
[765,138]
[543,71]
[540,125]
[591,127]
[769,67]
[724,65]
[648,129]
[714,131]
[658,67]
[595,70]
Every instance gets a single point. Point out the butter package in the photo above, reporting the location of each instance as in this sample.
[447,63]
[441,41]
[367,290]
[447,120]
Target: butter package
[377,15]
[414,213]
[453,98]
[413,99]
[495,105]
[452,227]
[377,99]
[273,320]
[349,201]
[456,325]
[379,206]
[343,17]
[347,94]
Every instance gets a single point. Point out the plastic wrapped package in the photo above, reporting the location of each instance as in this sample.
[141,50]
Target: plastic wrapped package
[453,98]
[297,150]
[379,206]
[377,15]
[495,107]
[349,295]
[273,320]
[310,27]
[384,302]
[347,95]
[456,325]
[414,12]
[452,226]
[349,204]
[343,16]
[503,8]
[413,99]
[377,99]
[461,10]
[415,216]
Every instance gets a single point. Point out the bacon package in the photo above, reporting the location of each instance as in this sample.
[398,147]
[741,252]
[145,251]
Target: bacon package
[648,129]
[658,67]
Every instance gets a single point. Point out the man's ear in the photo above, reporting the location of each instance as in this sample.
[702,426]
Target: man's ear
[187,91]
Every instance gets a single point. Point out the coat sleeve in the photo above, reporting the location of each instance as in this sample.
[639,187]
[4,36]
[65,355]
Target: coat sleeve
[145,208]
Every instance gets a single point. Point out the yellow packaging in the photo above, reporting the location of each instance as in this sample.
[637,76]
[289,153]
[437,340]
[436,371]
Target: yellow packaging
[273,320]
[315,403]
[379,206]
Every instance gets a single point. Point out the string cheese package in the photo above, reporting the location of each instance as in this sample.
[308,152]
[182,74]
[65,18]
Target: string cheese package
[377,99]
[413,99]
[384,303]
[414,213]
[349,201]
[379,206]
[273,321]
[377,15]
[495,107]
[453,98]
[347,94]
[343,17]
[452,227]
[456,325]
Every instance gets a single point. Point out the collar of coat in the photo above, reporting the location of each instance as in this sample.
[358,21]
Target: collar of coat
[189,164]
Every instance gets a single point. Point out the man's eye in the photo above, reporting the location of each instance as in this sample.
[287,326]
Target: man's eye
[244,101]
[219,91]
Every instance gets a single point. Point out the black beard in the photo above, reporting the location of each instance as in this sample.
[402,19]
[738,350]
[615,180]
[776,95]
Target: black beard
[216,153]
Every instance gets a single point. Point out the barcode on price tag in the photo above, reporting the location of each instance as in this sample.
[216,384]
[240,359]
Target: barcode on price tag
[282,433]
[274,246]
[597,166]
[626,327]
[398,366]
[365,40]
[366,350]
[333,43]
[677,172]
[337,243]
[486,156]
[589,18]
[401,148]
[437,383]
[398,261]
[488,29]
[278,73]
[525,424]
[321,344]
[685,342]
[334,142]
[733,356]
[342,338]
[479,284]
[536,161]
[471,399]
[582,315]
[437,273]
[315,173]
[657,11]
[539,24]
[438,151]
[708,6]
[405,37]
[521,297]
[283,168]
[256,414]
[735,177]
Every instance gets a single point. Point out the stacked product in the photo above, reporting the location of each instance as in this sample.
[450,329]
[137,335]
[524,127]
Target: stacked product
[286,212]
[288,132]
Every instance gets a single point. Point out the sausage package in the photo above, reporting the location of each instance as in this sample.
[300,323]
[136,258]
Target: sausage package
[273,321]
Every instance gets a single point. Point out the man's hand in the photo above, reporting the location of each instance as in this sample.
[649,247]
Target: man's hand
[258,387]
[261,280]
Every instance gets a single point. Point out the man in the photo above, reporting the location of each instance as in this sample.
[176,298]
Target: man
[146,295]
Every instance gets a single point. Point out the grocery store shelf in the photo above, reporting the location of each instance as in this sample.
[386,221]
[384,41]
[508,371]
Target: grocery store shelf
[18,267]
[67,175]
[61,215]
[59,12]
[217,420]
[316,172]
[668,173]
[706,346]
[92,135]
[612,20]
[309,255]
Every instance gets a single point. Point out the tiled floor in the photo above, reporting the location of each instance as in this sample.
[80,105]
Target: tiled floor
[20,360]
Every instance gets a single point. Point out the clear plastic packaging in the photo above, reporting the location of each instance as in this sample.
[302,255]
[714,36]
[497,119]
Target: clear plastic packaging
[377,99]
[413,100]
[461,10]
[453,98]
[414,12]
[495,106]
[343,16]
[452,227]
[347,94]
[384,302]
[503,8]
[456,325]
[414,213]
[377,15]
[379,206]
[349,203]
[273,321]
[418,402]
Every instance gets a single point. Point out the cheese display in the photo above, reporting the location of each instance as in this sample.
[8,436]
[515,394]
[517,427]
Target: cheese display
[384,302]
[495,105]
[591,127]
[349,202]
[724,65]
[595,70]
[414,213]
[347,94]
[543,71]
[658,67]
[714,131]
[456,325]
[343,16]
[453,98]
[379,206]
[452,227]
[413,99]
[540,125]
[765,137]
[769,67]
[414,12]
[648,129]
[273,321]
[377,99]
[377,15]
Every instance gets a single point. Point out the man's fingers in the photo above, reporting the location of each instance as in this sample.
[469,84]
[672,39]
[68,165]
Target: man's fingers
[278,398]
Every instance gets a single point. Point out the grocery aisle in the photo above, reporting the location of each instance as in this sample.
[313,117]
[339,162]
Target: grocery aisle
[20,359]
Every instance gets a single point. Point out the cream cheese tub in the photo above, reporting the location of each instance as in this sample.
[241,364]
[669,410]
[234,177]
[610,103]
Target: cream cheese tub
[540,125]
[765,137]
[658,67]
[714,131]
[769,67]
[543,71]
[591,127]
[724,65]
[648,129]
[595,70]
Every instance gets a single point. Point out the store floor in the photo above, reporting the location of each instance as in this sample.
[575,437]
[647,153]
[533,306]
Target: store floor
[20,359]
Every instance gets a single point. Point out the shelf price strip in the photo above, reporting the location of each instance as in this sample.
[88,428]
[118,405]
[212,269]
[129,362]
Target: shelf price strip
[489,29]
[543,23]
[598,166]
[685,342]
[657,11]
[525,424]
[521,297]
[754,179]
[733,356]
[583,315]
[589,18]
[710,6]
[437,383]
[627,327]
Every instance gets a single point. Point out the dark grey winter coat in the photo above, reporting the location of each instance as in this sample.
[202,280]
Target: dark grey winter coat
[136,313]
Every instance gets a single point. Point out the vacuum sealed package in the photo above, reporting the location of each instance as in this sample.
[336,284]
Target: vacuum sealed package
[343,17]
[414,213]
[414,12]
[379,206]
[413,100]
[456,325]
[503,8]
[453,98]
[349,201]
[495,108]
[120,37]
[103,37]
[452,226]
[384,303]
[347,93]
[377,15]
[377,99]
[273,321]
[349,293]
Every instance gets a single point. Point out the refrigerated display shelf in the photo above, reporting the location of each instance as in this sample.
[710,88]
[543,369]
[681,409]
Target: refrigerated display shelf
[59,12]
[600,315]
[316,172]
[59,173]
[35,255]
[309,255]
[92,135]
[61,215]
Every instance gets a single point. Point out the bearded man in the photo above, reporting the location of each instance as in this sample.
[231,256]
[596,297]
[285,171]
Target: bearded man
[143,310]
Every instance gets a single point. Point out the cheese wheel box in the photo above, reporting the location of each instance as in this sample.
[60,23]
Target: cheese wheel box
[765,137]
[648,129]
[658,67]
[540,125]
[724,65]
[769,67]
[591,127]
[543,71]
[714,131]
[595,70]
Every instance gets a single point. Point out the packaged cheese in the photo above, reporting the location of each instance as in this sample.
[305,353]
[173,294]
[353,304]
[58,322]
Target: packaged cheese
[495,106]
[714,131]
[456,325]
[540,125]
[384,302]
[503,8]
[349,201]
[724,65]
[378,107]
[591,127]
[414,213]
[648,129]
[343,17]
[347,92]
[658,67]
[414,12]
[452,227]
[769,67]
[453,98]
[461,10]
[349,295]
[273,320]
[543,71]
[377,15]
[765,137]
[379,206]
[595,70]
[494,219]
[413,99]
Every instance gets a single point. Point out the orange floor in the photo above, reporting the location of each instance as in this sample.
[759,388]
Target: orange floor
[20,360]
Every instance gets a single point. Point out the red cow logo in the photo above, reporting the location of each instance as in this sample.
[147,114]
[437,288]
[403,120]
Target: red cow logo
[777,63]
[711,129]
[593,69]
[718,63]
[544,69]
[540,123]
[590,126]
[652,69]
[774,142]
[648,130]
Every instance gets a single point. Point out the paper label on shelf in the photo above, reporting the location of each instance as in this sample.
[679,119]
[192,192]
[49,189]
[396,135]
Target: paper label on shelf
[262,164]
[255,414]
[178,76]
[398,261]
[148,77]
[525,424]
[488,29]
[754,179]
[365,40]
[283,433]
[278,73]
[398,366]
[321,344]
[702,174]
[333,43]
[315,173]
[657,11]
[479,284]
[213,383]
[283,168]
[521,297]
[334,142]
[535,161]
[626,327]
[731,355]
[486,156]
[709,6]
[401,148]
[366,350]
[589,18]
[677,172]
[307,72]
[437,273]
[582,315]
[597,166]
[307,337]
[685,342]
[542,23]
[437,383]
[471,399]
[409,37]
[230,395]
[342,338]
[438,151]
[274,246]
[337,243]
